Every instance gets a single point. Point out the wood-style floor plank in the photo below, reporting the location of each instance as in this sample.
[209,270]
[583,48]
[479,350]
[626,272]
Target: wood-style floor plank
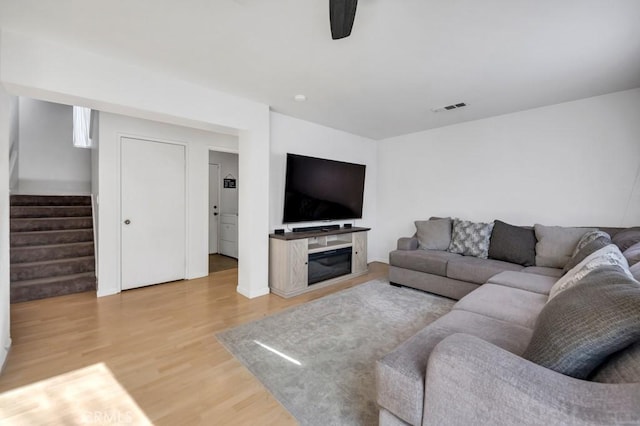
[159,345]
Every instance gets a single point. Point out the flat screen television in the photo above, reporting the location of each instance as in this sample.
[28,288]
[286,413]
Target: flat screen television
[317,189]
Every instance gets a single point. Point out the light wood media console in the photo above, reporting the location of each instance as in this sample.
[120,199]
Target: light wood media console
[289,257]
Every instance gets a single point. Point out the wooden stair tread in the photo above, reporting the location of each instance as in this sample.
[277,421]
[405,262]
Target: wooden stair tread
[61,218]
[53,262]
[46,200]
[53,246]
[52,280]
[52,231]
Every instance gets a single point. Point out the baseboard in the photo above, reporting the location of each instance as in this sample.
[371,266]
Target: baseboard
[252,294]
[110,292]
[4,354]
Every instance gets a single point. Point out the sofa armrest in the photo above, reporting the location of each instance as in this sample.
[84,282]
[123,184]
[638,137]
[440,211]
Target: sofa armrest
[408,243]
[471,381]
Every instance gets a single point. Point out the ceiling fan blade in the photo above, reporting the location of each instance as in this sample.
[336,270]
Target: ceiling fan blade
[341,14]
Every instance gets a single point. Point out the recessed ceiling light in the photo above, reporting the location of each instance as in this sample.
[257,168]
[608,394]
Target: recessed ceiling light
[300,98]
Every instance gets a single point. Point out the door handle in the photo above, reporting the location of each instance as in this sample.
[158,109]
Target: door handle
[127,222]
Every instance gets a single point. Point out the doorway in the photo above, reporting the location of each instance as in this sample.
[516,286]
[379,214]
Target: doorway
[214,210]
[223,211]
[153,218]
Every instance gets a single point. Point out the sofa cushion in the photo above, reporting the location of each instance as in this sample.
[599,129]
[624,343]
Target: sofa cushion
[513,244]
[543,270]
[556,244]
[434,234]
[430,261]
[608,255]
[632,254]
[577,330]
[586,250]
[540,284]
[635,271]
[470,238]
[513,305]
[401,373]
[621,367]
[627,238]
[407,243]
[476,270]
[386,418]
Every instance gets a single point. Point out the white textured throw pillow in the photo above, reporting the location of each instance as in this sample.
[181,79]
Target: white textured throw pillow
[587,238]
[606,256]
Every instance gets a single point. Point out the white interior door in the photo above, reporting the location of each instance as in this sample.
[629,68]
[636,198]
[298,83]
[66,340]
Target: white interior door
[153,212]
[214,207]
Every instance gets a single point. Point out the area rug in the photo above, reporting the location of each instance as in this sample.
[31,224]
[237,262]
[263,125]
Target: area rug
[318,359]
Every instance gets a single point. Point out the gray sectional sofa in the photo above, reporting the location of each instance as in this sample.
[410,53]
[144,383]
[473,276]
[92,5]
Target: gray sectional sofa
[454,275]
[473,365]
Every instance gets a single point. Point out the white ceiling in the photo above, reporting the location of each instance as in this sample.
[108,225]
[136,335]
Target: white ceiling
[404,57]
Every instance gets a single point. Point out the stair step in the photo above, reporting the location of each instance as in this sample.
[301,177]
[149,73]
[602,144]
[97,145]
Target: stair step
[41,288]
[51,268]
[51,252]
[40,238]
[50,223]
[50,200]
[50,211]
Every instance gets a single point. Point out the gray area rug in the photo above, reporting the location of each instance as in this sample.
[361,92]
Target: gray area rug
[318,359]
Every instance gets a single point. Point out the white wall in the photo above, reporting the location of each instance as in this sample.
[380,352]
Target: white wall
[8,112]
[228,165]
[198,143]
[48,161]
[46,70]
[292,135]
[574,163]
[95,181]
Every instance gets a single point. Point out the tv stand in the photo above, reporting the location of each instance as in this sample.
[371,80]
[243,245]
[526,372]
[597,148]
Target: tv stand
[304,261]
[323,228]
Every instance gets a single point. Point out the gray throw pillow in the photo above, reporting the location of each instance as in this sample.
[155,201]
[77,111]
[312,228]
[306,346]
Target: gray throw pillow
[585,251]
[434,234]
[556,244]
[632,254]
[579,328]
[621,367]
[513,244]
[627,238]
[470,238]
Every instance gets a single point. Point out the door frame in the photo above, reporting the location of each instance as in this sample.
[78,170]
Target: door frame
[217,201]
[120,137]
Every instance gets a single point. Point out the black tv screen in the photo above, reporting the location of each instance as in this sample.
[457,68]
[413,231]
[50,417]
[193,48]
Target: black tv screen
[320,189]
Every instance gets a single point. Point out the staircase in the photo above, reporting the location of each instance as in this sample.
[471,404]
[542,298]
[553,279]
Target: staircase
[52,250]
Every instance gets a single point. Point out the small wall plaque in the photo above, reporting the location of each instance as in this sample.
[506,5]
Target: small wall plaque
[229,183]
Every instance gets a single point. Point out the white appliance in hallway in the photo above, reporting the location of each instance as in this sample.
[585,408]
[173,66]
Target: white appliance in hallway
[153,219]
[229,235]
[214,207]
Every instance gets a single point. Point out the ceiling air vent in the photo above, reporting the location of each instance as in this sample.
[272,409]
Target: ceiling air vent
[449,107]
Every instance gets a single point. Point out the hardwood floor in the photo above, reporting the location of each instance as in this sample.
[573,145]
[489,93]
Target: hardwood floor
[159,345]
[219,262]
